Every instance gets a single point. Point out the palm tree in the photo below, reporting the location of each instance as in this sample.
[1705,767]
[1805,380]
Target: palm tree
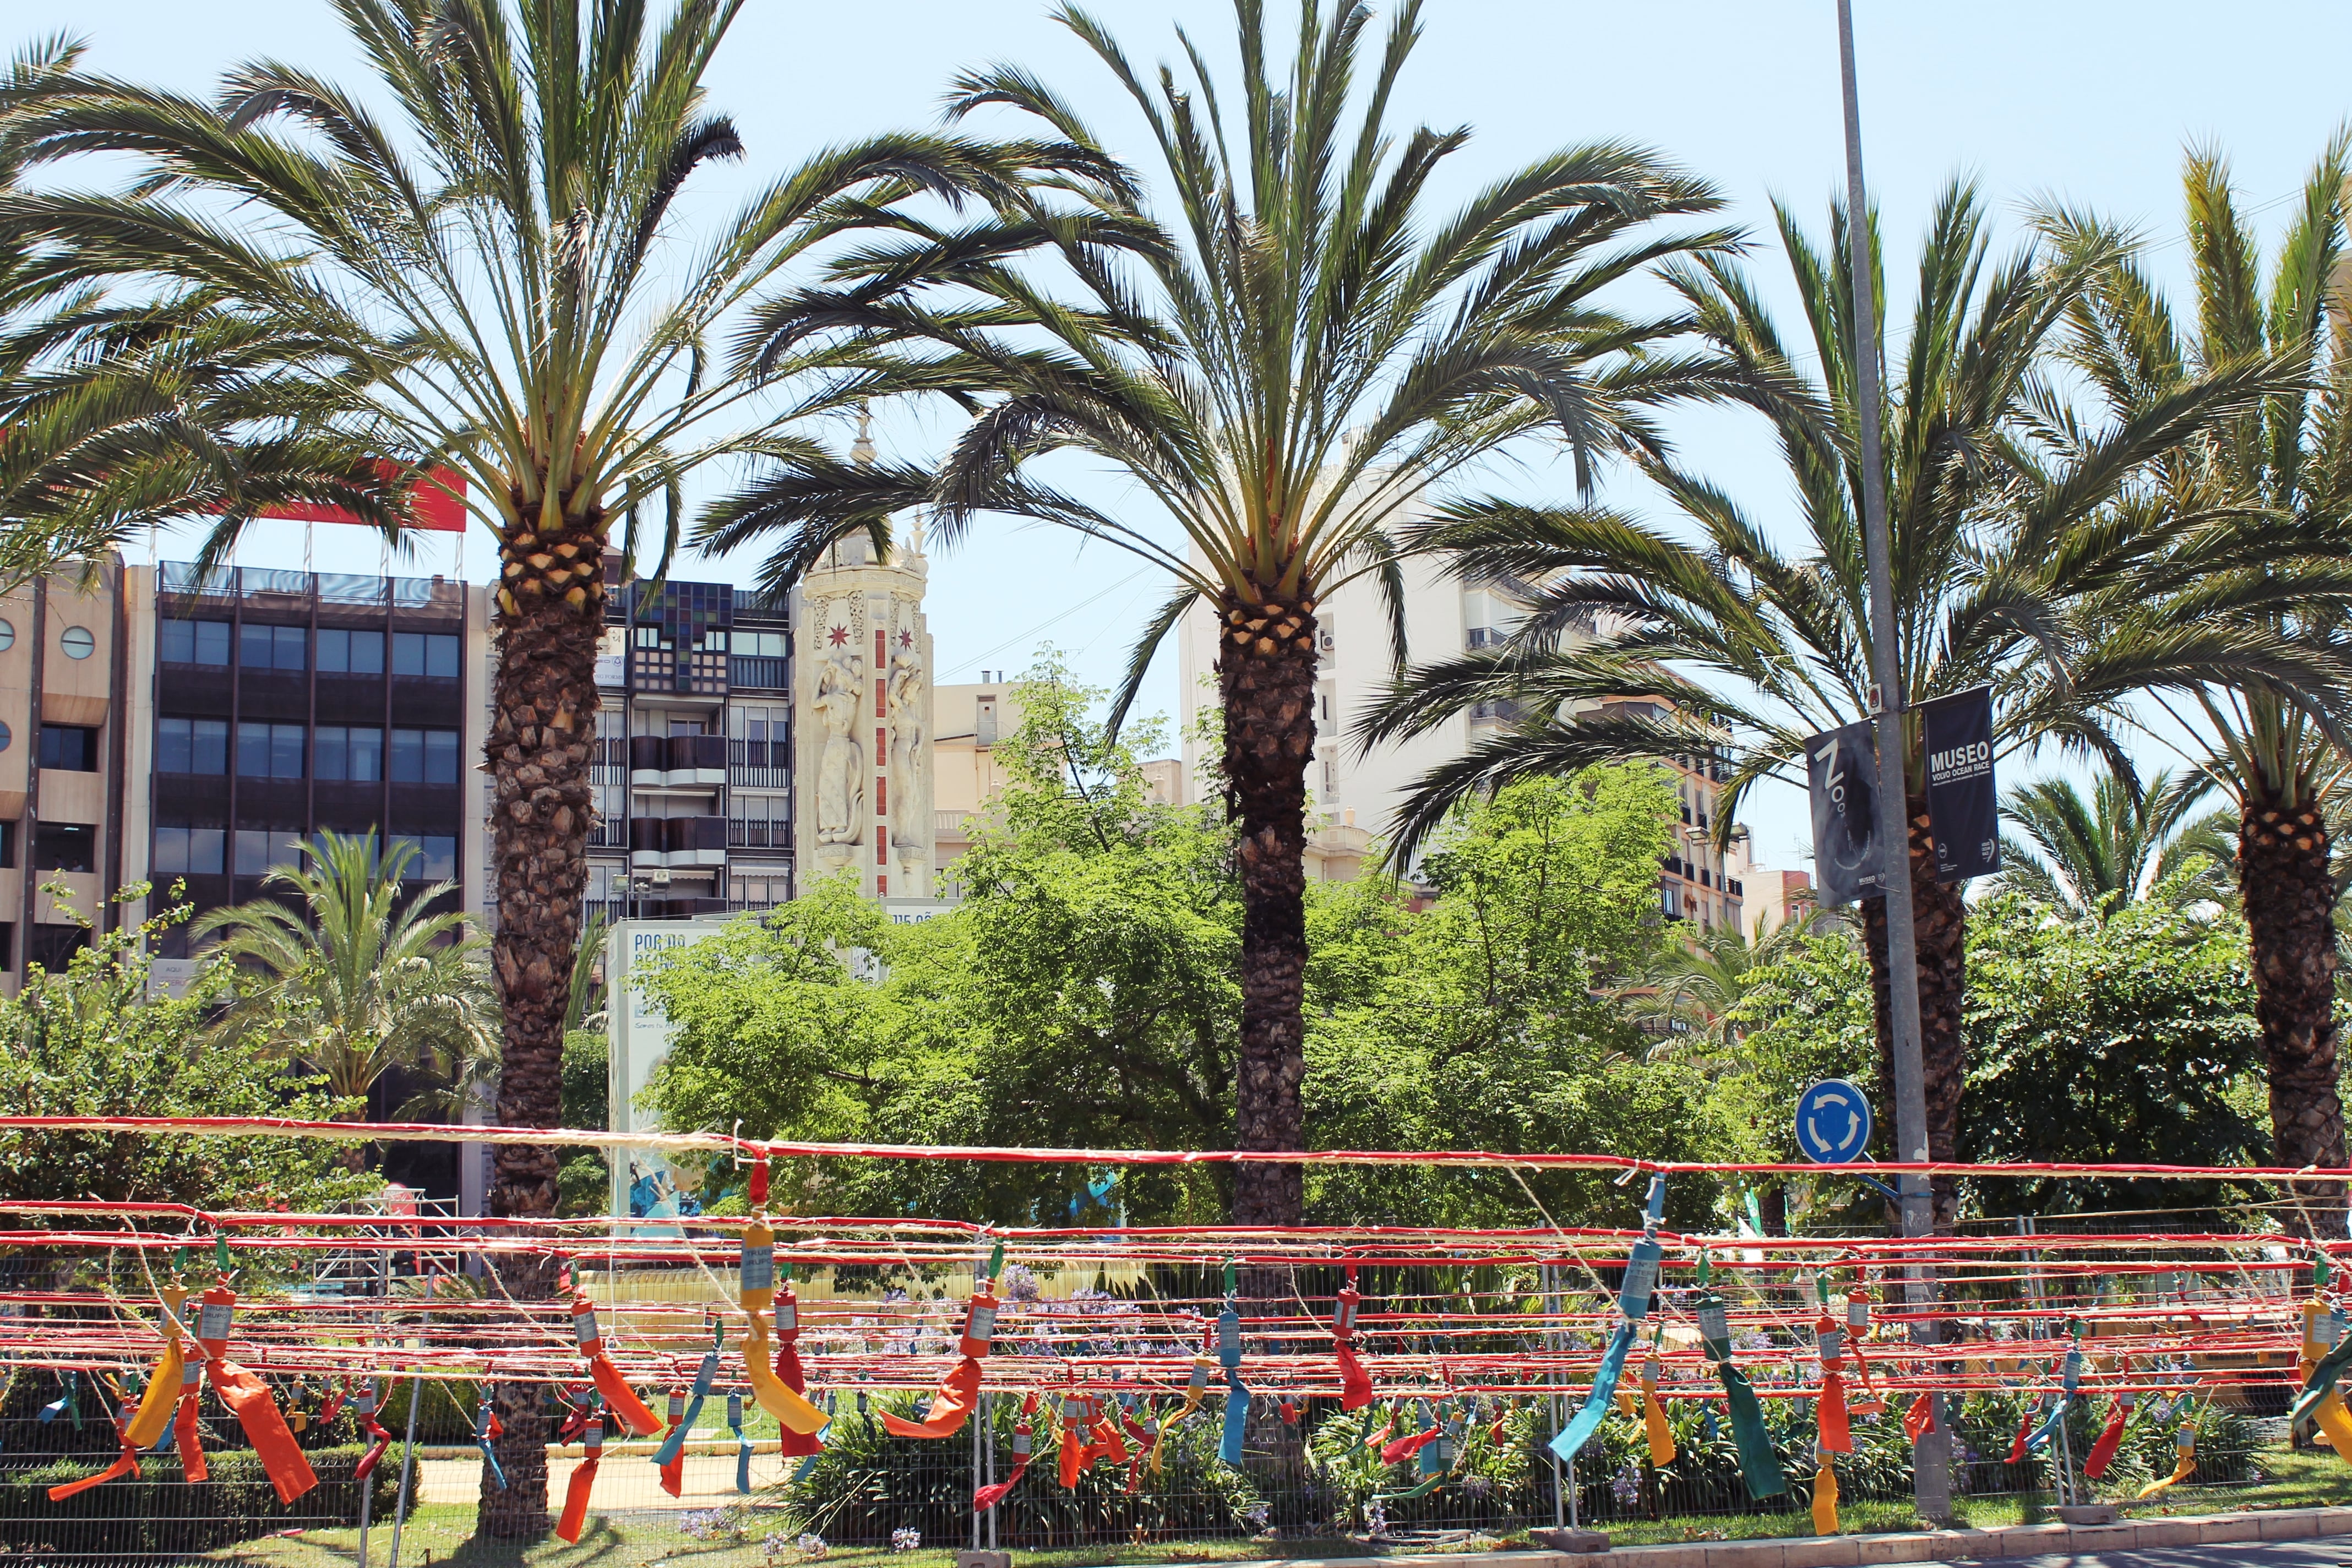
[2278,760]
[2004,515]
[361,979]
[494,279]
[118,409]
[2091,856]
[1283,360]
[1687,991]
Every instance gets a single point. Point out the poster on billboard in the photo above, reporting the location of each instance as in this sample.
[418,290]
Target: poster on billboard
[647,1184]
[1841,780]
[1963,802]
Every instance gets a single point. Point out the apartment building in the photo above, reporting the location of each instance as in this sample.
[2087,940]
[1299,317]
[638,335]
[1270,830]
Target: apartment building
[693,777]
[1355,795]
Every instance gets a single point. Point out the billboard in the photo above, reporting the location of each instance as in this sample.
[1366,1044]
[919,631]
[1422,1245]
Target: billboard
[646,1186]
[1963,802]
[1842,779]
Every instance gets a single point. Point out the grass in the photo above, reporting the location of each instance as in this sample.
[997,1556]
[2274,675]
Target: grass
[439,1535]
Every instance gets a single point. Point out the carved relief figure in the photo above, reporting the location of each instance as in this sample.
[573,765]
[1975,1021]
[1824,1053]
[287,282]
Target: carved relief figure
[840,766]
[905,702]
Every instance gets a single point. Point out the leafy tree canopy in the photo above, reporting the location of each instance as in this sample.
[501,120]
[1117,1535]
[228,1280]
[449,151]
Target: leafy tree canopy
[88,1041]
[2131,1038]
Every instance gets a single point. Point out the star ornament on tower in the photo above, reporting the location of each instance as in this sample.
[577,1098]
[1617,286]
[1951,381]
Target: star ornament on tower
[837,636]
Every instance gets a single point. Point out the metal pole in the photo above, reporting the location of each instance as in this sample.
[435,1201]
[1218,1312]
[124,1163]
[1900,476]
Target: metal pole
[407,1464]
[1932,1460]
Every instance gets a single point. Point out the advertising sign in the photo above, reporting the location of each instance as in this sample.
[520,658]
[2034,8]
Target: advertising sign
[1841,777]
[1963,806]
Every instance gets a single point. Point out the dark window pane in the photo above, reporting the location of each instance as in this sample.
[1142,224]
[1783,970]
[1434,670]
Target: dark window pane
[7,845]
[175,643]
[286,751]
[439,862]
[207,848]
[175,746]
[409,756]
[441,756]
[256,647]
[53,946]
[253,751]
[367,653]
[69,747]
[252,851]
[292,643]
[441,657]
[367,754]
[208,746]
[330,745]
[334,650]
[64,847]
[408,653]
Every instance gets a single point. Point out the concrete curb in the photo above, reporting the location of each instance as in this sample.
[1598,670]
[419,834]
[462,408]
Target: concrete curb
[1912,1546]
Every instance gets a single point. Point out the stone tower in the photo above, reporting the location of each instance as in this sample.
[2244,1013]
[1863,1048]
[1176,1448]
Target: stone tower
[862,729]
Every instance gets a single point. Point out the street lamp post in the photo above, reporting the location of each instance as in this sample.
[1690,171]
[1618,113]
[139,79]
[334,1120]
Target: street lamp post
[1932,1466]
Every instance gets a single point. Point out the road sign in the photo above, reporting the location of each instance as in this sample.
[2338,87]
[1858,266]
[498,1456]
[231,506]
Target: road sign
[1833,1123]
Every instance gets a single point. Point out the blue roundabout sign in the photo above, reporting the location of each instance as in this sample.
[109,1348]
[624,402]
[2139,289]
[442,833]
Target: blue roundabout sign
[1833,1123]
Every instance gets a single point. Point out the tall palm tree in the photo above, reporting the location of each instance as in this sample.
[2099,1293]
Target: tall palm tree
[1283,358]
[2004,518]
[2289,457]
[361,979]
[2091,856]
[495,278]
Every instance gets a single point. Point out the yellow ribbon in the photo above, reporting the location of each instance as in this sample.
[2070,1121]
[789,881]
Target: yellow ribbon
[1654,1417]
[775,1396]
[163,1395]
[1825,1497]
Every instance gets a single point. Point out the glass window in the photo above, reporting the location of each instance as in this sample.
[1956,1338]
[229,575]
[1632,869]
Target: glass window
[433,655]
[69,748]
[353,754]
[7,847]
[195,851]
[4,736]
[269,751]
[344,652]
[425,756]
[7,637]
[77,642]
[194,642]
[436,858]
[64,847]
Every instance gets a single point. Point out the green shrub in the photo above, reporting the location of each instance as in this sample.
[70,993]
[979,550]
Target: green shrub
[160,1512]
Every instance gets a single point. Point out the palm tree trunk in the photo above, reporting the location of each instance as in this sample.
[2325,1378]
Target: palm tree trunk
[1939,932]
[1266,674]
[2289,897]
[542,734]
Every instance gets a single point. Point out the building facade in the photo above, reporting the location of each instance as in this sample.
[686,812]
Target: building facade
[693,775]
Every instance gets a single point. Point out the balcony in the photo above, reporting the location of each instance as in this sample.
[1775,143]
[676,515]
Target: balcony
[676,843]
[758,672]
[757,833]
[758,765]
[678,761]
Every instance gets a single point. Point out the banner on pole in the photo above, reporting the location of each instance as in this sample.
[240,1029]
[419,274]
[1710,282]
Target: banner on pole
[1841,777]
[1963,805]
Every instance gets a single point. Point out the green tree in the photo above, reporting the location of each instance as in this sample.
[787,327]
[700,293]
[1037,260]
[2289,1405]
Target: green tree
[1282,359]
[2020,562]
[2284,459]
[1687,991]
[2091,856]
[2131,1038]
[353,975]
[1487,1021]
[93,1040]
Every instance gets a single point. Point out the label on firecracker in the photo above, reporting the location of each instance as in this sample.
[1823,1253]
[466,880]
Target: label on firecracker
[1857,1313]
[1021,1442]
[1641,1280]
[788,1313]
[735,1410]
[1830,1344]
[212,1323]
[983,1324]
[1343,1313]
[676,1406]
[364,1401]
[192,1374]
[584,1325]
[1074,1412]
[1199,1378]
[593,1439]
[759,1267]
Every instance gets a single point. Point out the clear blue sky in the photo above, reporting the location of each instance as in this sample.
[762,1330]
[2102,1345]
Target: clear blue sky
[2091,102]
